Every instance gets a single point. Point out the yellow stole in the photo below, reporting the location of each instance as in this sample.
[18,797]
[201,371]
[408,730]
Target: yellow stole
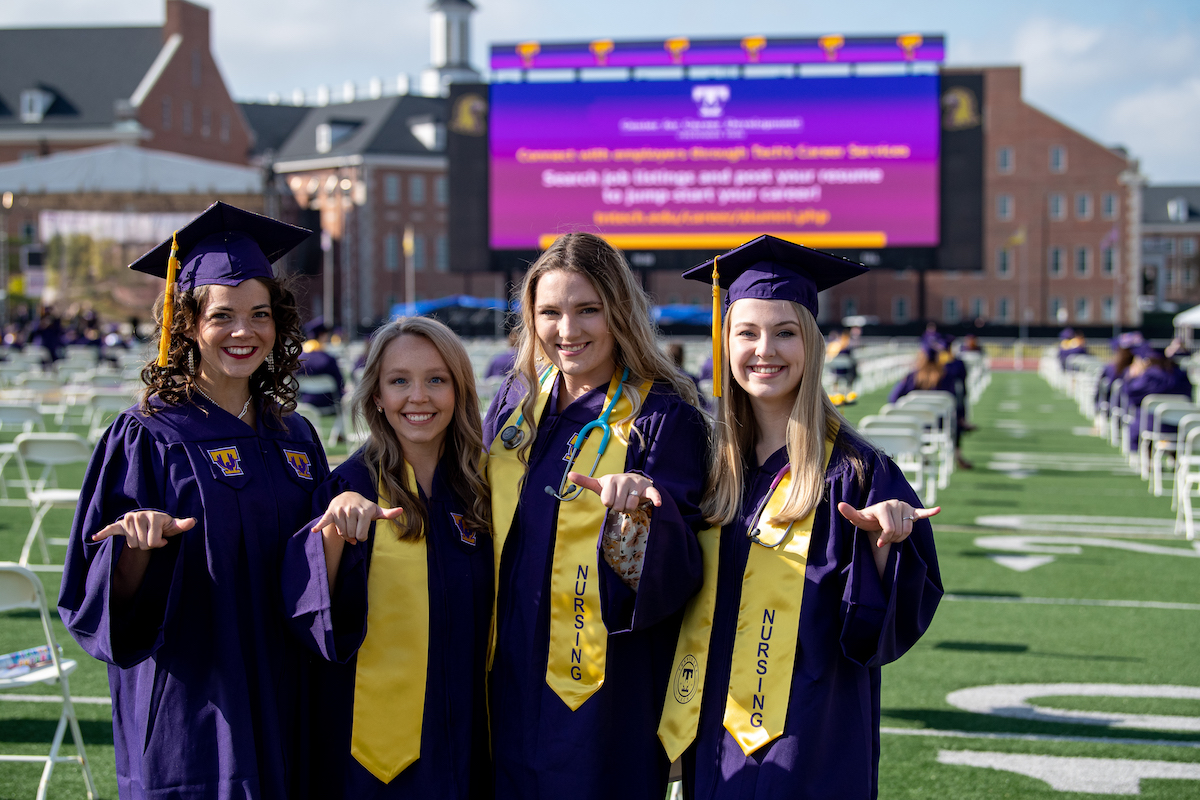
[389,681]
[578,638]
[764,647]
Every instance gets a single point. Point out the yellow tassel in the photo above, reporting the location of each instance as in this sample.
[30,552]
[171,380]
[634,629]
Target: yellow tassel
[164,342]
[718,370]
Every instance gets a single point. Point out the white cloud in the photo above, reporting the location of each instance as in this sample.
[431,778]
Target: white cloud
[1164,122]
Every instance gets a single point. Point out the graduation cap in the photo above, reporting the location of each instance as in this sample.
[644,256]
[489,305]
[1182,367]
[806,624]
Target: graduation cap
[769,268]
[224,245]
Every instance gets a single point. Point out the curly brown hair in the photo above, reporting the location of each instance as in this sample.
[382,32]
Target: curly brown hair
[174,385]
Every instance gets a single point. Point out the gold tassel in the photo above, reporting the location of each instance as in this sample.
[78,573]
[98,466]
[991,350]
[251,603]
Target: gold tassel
[164,342]
[718,370]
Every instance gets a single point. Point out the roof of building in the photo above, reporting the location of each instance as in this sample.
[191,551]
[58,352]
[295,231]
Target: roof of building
[125,168]
[272,124]
[1157,204]
[85,69]
[366,127]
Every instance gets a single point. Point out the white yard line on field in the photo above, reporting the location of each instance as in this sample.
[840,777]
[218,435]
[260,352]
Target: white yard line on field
[1072,601]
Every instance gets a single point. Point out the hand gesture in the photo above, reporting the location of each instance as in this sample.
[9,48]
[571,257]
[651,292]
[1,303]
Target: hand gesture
[350,516]
[145,530]
[624,491]
[887,522]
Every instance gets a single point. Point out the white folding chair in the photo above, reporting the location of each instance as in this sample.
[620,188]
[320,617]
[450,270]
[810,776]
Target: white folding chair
[26,418]
[1160,436]
[1187,481]
[102,406]
[324,384]
[1139,457]
[904,446]
[49,450]
[1186,423]
[21,589]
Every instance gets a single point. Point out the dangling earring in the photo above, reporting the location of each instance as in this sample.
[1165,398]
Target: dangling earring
[271,361]
[191,360]
[379,409]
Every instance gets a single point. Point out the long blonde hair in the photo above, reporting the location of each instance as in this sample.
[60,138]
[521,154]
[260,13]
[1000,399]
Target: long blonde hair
[464,441]
[626,313]
[812,420]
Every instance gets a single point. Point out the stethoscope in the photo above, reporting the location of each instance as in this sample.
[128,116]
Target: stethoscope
[753,533]
[566,490]
[512,436]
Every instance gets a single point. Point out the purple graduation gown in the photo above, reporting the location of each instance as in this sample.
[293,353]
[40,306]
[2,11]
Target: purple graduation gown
[454,759]
[207,684]
[1154,380]
[608,747]
[318,362]
[851,623]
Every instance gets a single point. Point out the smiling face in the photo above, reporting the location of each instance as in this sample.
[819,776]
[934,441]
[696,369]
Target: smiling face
[235,332]
[766,350]
[571,326]
[416,393]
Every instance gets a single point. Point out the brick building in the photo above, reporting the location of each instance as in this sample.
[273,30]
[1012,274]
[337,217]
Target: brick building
[157,87]
[1170,248]
[375,170]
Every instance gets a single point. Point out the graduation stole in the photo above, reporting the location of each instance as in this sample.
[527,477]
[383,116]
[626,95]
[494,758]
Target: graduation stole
[389,681]
[578,638]
[760,678]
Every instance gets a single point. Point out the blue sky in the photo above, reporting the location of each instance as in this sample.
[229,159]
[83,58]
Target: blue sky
[1122,72]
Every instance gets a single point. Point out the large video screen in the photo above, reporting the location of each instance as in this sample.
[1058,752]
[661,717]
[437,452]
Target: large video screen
[830,162]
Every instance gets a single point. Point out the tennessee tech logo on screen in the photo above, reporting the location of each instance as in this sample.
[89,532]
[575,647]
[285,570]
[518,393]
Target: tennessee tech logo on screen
[710,99]
[228,460]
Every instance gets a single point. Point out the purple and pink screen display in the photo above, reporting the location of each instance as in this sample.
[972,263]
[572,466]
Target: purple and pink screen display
[841,162]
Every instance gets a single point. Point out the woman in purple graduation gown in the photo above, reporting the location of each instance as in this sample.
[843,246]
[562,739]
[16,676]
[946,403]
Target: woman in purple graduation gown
[586,329]
[417,395]
[866,581]
[173,567]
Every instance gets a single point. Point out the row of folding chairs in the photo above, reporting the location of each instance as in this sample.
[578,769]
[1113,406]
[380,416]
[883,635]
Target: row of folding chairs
[918,432]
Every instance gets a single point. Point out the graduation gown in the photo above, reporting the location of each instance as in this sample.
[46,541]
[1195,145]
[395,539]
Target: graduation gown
[608,747]
[206,682]
[454,759]
[852,622]
[318,362]
[1154,380]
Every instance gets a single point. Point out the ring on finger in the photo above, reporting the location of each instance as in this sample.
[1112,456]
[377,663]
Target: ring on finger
[910,519]
[634,493]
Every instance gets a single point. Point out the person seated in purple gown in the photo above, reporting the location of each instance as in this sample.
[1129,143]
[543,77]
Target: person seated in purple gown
[316,361]
[1150,373]
[502,363]
[172,573]
[823,558]
[1122,357]
[934,372]
[387,625]
[597,465]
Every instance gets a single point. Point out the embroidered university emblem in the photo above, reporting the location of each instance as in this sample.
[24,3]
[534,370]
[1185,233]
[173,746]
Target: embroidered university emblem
[570,447]
[299,462]
[228,459]
[463,533]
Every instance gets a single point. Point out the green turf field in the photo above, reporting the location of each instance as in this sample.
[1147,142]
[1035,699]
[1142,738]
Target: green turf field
[1011,620]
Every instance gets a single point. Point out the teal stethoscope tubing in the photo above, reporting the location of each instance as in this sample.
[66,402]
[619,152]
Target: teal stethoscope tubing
[566,490]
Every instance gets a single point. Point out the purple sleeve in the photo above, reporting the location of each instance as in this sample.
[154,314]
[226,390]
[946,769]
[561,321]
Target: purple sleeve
[333,626]
[884,617]
[902,388]
[124,475]
[675,458]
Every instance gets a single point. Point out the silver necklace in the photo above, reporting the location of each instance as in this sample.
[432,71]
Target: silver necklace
[245,408]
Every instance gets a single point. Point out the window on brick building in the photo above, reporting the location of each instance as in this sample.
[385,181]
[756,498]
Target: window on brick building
[1107,308]
[197,67]
[950,310]
[1108,206]
[1189,277]
[1187,247]
[900,310]
[391,188]
[849,306]
[225,127]
[1055,262]
[1169,278]
[166,113]
[1004,263]
[1058,158]
[391,252]
[443,253]
[441,190]
[416,190]
[206,122]
[186,123]
[1058,207]
[1083,205]
[978,308]
[1083,309]
[1003,309]
[1004,206]
[418,256]
[1083,265]
[1108,261]
[1004,160]
[1055,305]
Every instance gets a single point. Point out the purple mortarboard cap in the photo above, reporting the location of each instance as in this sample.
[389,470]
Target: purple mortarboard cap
[1067,333]
[769,268]
[1128,341]
[224,245]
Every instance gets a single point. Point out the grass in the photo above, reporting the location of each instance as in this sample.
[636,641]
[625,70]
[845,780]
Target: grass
[970,644]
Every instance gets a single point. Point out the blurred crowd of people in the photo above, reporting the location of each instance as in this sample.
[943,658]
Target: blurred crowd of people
[81,325]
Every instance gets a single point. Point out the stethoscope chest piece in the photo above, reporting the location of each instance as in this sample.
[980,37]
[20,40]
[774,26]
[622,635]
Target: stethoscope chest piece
[511,437]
